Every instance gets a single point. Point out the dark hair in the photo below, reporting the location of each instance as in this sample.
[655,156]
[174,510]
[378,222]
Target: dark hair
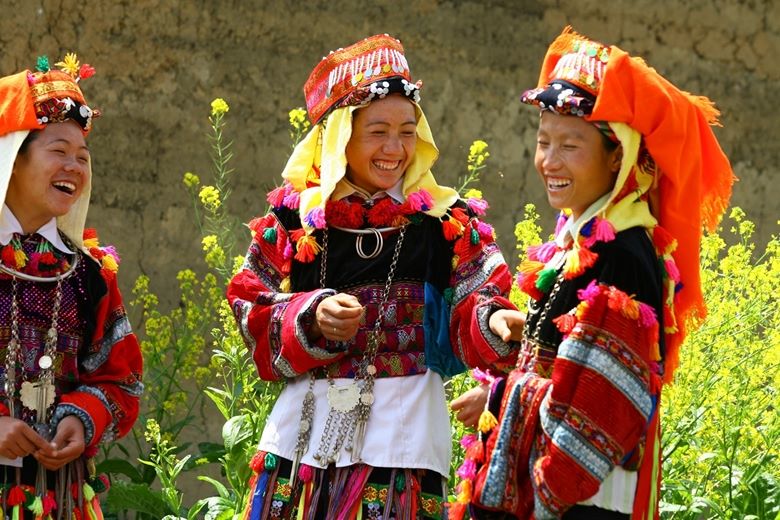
[609,144]
[32,136]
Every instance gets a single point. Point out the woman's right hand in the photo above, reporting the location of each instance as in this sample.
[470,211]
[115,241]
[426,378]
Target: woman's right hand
[18,439]
[337,318]
[507,324]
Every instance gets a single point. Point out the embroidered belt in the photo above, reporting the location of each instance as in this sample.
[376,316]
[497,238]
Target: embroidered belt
[388,364]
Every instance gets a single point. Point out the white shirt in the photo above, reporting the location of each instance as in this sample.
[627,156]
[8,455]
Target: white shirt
[9,225]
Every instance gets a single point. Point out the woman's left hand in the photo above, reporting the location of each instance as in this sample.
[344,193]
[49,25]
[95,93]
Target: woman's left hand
[68,444]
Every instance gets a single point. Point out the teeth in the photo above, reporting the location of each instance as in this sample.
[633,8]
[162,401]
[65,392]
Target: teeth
[387,165]
[558,183]
[65,186]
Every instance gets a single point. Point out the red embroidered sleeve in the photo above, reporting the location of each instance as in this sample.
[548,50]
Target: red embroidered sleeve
[480,285]
[107,397]
[604,392]
[274,322]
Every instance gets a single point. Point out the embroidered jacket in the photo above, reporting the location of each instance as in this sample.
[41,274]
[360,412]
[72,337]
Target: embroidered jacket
[441,296]
[583,397]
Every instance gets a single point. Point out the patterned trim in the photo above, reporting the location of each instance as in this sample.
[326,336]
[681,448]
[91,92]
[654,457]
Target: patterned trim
[569,441]
[501,347]
[590,356]
[242,309]
[65,409]
[116,333]
[494,489]
[492,259]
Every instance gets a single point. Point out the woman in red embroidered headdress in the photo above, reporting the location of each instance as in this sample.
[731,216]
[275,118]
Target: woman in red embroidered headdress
[363,287]
[637,172]
[70,365]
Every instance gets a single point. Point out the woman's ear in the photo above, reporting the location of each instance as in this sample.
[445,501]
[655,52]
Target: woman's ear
[616,160]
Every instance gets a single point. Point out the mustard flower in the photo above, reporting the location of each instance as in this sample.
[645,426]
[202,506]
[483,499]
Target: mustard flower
[473,194]
[219,107]
[191,180]
[210,198]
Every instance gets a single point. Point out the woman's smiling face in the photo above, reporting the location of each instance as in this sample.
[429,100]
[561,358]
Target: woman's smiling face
[383,142]
[49,176]
[573,162]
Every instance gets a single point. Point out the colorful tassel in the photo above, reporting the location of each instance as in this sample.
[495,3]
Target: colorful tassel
[8,256]
[474,236]
[565,323]
[478,206]
[671,270]
[315,218]
[542,253]
[305,473]
[546,279]
[487,421]
[452,229]
[467,470]
[21,258]
[108,262]
[285,285]
[36,507]
[16,496]
[292,200]
[276,197]
[603,230]
[589,293]
[486,231]
[307,249]
[420,200]
[476,452]
[664,242]
[269,235]
[467,440]
[647,317]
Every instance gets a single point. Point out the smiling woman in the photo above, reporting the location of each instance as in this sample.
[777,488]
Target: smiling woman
[69,362]
[365,285]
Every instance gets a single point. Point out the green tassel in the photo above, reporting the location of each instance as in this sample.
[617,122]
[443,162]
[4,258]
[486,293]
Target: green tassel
[270,461]
[400,482]
[36,507]
[269,235]
[448,295]
[546,279]
[474,236]
[42,65]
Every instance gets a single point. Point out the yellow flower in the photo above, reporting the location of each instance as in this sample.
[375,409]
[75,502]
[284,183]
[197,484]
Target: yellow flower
[478,147]
[70,64]
[209,196]
[297,117]
[473,194]
[219,107]
[191,180]
[209,242]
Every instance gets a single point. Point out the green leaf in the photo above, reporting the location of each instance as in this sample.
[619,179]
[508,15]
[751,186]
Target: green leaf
[236,430]
[124,497]
[220,487]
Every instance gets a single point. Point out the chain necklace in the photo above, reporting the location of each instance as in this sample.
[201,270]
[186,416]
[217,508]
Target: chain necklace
[37,396]
[350,405]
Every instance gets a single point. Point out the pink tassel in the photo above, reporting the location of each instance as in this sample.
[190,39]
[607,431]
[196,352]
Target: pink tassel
[589,293]
[292,200]
[467,440]
[485,230]
[420,200]
[562,218]
[647,316]
[478,206]
[316,218]
[542,253]
[305,473]
[288,250]
[671,270]
[467,470]
[276,197]
[604,231]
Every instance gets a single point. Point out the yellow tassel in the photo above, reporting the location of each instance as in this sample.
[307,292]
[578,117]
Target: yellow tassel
[91,242]
[455,260]
[464,497]
[108,262]
[572,267]
[21,258]
[285,285]
[487,421]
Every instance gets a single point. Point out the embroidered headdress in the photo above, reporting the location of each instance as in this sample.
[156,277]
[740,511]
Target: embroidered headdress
[674,178]
[29,100]
[344,81]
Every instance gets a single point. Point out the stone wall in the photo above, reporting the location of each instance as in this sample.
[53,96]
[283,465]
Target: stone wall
[161,62]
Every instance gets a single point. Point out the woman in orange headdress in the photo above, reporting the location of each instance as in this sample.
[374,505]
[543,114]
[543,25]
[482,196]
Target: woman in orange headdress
[70,364]
[632,163]
[363,287]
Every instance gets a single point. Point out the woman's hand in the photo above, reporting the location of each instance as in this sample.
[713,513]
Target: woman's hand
[337,318]
[68,444]
[469,406]
[18,439]
[507,324]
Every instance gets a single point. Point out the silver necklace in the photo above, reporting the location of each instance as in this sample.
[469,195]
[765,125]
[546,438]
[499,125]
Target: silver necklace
[350,405]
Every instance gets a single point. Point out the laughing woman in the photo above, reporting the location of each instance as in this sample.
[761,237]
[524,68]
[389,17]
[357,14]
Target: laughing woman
[70,365]
[365,284]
